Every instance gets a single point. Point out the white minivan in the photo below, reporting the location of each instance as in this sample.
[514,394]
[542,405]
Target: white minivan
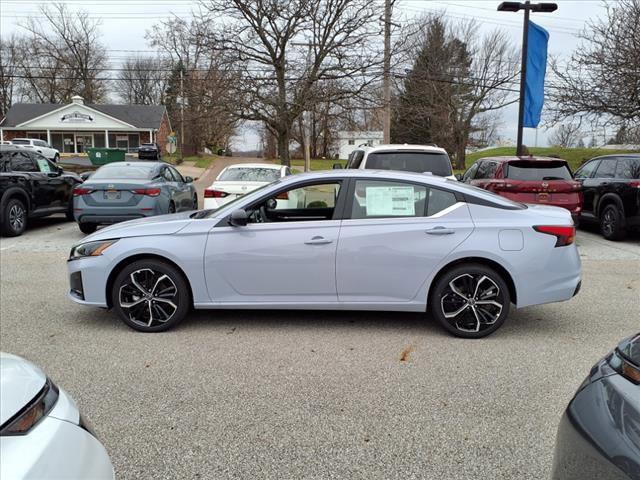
[405,157]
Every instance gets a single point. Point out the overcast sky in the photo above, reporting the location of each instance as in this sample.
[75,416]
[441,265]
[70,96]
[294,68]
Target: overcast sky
[124,23]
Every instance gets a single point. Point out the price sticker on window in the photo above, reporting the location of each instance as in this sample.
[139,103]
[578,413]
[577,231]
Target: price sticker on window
[44,166]
[390,201]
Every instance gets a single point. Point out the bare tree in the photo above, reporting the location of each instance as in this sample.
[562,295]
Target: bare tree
[602,79]
[143,80]
[63,56]
[284,51]
[566,135]
[10,53]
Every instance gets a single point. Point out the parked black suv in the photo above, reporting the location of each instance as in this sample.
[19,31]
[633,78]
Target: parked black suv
[31,186]
[611,189]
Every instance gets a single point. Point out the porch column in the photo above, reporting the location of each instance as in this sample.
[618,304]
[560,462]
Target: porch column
[1,135]
[106,138]
[150,135]
[49,137]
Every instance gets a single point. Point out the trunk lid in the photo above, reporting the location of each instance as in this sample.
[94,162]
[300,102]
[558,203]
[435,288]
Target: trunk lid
[117,193]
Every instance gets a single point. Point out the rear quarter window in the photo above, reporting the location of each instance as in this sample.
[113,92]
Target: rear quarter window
[628,168]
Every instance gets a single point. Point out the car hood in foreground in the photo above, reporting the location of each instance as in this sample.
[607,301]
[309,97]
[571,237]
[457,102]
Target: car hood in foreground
[158,225]
[20,382]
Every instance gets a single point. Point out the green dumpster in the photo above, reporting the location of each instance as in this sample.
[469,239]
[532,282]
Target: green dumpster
[102,156]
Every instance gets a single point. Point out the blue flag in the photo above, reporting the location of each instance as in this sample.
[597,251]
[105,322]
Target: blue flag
[536,69]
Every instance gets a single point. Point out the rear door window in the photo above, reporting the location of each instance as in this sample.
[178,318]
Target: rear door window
[628,168]
[607,168]
[538,170]
[22,162]
[407,161]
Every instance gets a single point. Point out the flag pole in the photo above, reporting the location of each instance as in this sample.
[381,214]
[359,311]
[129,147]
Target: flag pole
[523,77]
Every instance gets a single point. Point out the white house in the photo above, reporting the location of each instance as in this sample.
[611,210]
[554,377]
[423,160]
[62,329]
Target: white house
[348,141]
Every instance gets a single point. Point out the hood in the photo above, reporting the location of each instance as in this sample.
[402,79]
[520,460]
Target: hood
[20,382]
[158,225]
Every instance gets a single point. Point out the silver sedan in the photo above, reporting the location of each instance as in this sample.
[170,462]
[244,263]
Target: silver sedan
[354,240]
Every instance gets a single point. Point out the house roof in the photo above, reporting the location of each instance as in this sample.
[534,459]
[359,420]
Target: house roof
[141,116]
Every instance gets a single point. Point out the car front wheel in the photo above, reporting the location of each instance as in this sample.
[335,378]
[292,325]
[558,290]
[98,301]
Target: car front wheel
[87,228]
[470,301]
[15,218]
[611,223]
[150,295]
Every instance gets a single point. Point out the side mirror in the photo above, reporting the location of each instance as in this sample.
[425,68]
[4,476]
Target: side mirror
[188,179]
[238,218]
[459,177]
[271,204]
[337,166]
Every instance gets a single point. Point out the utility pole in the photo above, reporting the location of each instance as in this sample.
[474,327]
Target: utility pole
[181,115]
[306,127]
[386,79]
[527,7]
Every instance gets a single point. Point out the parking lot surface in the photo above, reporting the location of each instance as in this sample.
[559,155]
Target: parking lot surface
[250,394]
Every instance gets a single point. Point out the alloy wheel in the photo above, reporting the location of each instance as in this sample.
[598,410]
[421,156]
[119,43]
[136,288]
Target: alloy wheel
[608,222]
[471,302]
[16,217]
[148,297]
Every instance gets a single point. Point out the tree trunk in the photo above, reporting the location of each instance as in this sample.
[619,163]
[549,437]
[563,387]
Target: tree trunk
[283,148]
[460,157]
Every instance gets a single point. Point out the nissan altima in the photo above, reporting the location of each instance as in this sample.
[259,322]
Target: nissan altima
[355,240]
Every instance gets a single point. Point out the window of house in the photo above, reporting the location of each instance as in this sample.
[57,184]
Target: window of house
[352,142]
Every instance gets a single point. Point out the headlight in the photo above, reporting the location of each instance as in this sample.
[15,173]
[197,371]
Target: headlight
[90,249]
[33,412]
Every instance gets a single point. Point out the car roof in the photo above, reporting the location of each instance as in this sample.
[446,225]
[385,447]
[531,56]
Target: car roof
[617,155]
[8,147]
[404,146]
[136,164]
[256,165]
[24,138]
[514,158]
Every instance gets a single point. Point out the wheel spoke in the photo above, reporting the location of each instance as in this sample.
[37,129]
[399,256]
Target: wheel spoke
[135,283]
[478,283]
[455,313]
[164,300]
[455,289]
[131,304]
[153,290]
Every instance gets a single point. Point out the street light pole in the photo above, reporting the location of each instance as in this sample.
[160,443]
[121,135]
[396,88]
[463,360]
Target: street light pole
[527,7]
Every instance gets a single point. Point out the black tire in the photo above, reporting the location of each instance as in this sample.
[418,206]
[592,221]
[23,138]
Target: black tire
[195,202]
[56,158]
[69,212]
[87,228]
[165,294]
[15,218]
[172,207]
[469,279]
[612,223]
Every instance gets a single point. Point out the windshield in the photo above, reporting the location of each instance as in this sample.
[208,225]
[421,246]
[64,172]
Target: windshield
[419,162]
[249,175]
[124,171]
[536,170]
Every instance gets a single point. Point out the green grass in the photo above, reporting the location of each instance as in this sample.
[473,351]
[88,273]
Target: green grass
[201,161]
[575,156]
[317,164]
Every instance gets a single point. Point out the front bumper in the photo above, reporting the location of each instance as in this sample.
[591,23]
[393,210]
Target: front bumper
[88,280]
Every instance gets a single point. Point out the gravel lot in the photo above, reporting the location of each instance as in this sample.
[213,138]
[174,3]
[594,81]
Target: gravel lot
[245,394]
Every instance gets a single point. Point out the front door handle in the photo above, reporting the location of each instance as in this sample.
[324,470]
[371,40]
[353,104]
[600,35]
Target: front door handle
[317,240]
[440,231]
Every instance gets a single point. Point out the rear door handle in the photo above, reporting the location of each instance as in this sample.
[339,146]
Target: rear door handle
[440,231]
[318,241]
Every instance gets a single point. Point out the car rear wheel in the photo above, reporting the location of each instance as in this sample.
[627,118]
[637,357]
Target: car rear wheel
[195,202]
[172,207]
[470,301]
[611,223]
[15,218]
[69,212]
[150,296]
[88,227]
[56,158]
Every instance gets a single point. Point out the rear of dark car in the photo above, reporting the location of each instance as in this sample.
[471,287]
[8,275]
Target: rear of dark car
[544,181]
[599,434]
[149,151]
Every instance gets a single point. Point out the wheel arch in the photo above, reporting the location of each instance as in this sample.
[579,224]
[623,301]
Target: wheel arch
[14,192]
[143,256]
[506,276]
[608,199]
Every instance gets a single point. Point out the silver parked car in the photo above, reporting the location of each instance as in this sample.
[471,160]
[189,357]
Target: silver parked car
[354,240]
[128,190]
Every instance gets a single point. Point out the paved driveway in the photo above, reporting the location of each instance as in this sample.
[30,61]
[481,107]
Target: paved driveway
[360,395]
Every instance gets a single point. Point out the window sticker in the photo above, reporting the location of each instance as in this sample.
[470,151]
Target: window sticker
[390,201]
[43,165]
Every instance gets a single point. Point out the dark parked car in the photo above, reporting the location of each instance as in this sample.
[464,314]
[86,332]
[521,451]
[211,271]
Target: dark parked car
[122,191]
[31,186]
[541,180]
[599,434]
[611,189]
[149,151]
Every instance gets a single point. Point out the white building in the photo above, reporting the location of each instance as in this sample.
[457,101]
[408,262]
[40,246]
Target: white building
[348,141]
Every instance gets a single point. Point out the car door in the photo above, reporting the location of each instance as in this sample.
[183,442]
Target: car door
[603,180]
[171,186]
[589,186]
[395,233]
[43,190]
[183,190]
[290,258]
[57,186]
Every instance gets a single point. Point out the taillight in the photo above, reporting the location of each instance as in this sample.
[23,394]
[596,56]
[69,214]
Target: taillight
[634,184]
[564,235]
[79,191]
[211,193]
[150,192]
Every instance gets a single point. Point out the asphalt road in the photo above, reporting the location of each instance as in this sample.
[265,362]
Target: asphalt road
[247,394]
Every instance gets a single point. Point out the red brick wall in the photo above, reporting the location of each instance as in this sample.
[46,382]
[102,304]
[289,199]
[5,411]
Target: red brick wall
[11,134]
[144,137]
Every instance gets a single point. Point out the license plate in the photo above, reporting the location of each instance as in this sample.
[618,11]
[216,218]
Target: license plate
[543,197]
[112,195]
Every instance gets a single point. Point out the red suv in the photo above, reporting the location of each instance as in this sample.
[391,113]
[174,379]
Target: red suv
[541,180]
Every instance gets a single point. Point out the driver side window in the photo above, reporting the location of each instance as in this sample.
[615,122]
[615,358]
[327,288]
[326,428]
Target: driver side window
[309,202]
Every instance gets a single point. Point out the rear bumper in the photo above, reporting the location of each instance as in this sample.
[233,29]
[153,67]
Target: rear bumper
[107,215]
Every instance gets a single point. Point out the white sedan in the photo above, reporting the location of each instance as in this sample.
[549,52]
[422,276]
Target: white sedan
[238,180]
[42,434]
